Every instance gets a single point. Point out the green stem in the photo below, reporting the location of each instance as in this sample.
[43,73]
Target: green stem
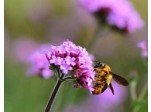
[140,97]
[93,41]
[133,90]
[53,95]
[143,93]
[68,78]
[97,36]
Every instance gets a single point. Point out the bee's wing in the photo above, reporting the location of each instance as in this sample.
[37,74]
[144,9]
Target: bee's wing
[111,87]
[120,80]
[104,88]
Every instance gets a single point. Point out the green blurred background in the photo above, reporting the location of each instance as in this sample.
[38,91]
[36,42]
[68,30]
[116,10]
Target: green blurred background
[54,21]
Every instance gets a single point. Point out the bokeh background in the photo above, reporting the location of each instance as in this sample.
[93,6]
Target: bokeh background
[30,23]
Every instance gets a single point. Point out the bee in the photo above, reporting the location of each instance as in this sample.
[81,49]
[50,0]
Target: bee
[103,78]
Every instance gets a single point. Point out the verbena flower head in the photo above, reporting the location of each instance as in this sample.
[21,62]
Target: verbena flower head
[143,47]
[73,60]
[39,65]
[118,13]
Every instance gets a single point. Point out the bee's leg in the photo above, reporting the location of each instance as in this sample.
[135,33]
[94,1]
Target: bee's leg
[104,88]
[111,87]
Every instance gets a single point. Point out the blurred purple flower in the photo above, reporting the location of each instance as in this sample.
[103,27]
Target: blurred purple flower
[22,48]
[25,51]
[71,58]
[107,98]
[105,102]
[143,47]
[38,65]
[118,13]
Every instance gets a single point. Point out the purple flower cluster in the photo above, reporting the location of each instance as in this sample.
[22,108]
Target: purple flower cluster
[71,58]
[119,13]
[39,65]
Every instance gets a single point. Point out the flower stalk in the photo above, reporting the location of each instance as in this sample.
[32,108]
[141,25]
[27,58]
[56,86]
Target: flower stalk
[54,93]
[99,33]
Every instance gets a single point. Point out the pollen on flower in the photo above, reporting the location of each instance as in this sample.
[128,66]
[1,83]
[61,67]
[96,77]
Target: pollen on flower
[73,60]
[118,13]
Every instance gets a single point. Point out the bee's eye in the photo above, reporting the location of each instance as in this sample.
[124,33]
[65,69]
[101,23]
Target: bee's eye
[99,65]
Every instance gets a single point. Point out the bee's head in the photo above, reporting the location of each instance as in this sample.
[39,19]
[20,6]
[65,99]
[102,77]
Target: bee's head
[100,65]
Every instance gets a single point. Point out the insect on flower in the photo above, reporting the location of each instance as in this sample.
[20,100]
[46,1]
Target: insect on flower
[103,78]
